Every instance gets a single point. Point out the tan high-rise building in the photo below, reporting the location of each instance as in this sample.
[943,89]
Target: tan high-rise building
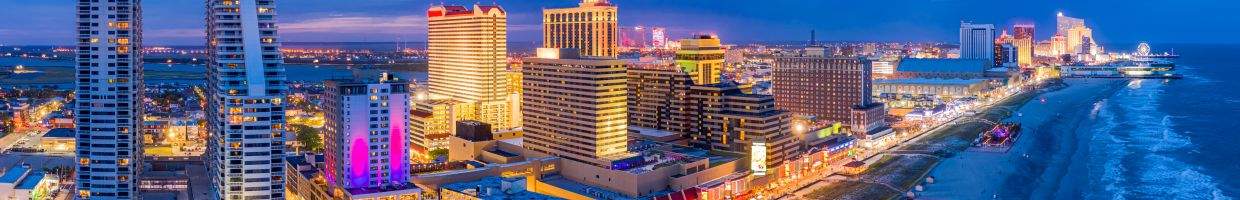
[658,97]
[1059,45]
[468,59]
[1023,39]
[702,58]
[731,120]
[826,88]
[1077,39]
[431,122]
[718,116]
[574,107]
[590,28]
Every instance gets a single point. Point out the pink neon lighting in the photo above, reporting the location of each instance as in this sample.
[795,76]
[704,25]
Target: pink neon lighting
[396,153]
[359,161]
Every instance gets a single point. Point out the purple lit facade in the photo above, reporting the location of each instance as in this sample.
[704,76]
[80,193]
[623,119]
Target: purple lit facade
[365,140]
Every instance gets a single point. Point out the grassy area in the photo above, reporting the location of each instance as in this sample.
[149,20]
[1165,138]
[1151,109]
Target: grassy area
[895,170]
[839,190]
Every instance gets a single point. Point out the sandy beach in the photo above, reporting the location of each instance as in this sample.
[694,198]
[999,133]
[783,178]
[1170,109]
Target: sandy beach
[1048,145]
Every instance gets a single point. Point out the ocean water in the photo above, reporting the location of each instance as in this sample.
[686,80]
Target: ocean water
[1118,139]
[1174,139]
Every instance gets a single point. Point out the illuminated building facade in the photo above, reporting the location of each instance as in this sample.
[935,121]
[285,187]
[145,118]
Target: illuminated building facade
[575,107]
[634,38]
[1005,51]
[1005,55]
[431,123]
[109,95]
[977,41]
[825,88]
[658,38]
[658,97]
[590,28]
[246,90]
[1022,38]
[729,119]
[711,116]
[468,59]
[1079,40]
[1063,23]
[702,58]
[1075,34]
[1059,45]
[366,141]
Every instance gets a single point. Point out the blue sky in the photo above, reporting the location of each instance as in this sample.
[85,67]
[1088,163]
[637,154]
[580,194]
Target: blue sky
[179,22]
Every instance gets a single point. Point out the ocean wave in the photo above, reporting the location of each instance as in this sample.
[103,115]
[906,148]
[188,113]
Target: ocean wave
[1107,174]
[1169,178]
[1135,147]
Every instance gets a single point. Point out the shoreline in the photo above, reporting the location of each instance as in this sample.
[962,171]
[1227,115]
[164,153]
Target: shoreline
[1040,161]
[918,157]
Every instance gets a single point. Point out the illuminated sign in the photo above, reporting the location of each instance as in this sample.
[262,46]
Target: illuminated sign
[827,132]
[757,161]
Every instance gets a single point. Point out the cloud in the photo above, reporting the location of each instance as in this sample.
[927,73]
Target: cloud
[358,24]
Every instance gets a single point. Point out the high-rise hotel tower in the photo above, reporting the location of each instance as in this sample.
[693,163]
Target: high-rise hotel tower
[575,107]
[702,58]
[468,58]
[366,142]
[109,93]
[1023,39]
[977,41]
[590,27]
[246,91]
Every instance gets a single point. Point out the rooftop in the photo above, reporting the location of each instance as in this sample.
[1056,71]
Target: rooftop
[929,81]
[650,155]
[302,165]
[12,174]
[403,189]
[59,133]
[943,65]
[496,186]
[652,132]
[31,181]
[592,191]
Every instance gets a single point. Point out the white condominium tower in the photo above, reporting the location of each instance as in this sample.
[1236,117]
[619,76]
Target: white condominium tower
[468,58]
[366,142]
[246,82]
[590,27]
[109,90]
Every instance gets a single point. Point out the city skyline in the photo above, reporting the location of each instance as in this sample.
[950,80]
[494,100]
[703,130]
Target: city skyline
[597,112]
[169,23]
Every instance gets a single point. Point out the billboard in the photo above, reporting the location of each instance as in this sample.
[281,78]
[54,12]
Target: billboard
[757,158]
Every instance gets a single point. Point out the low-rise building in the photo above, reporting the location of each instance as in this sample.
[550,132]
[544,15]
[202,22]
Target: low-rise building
[58,140]
[24,182]
[491,188]
[474,141]
[304,180]
[942,68]
[945,89]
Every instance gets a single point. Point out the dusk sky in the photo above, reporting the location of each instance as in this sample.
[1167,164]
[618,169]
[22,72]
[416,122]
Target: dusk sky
[179,22]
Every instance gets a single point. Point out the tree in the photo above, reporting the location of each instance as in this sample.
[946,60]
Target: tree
[438,152]
[308,137]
